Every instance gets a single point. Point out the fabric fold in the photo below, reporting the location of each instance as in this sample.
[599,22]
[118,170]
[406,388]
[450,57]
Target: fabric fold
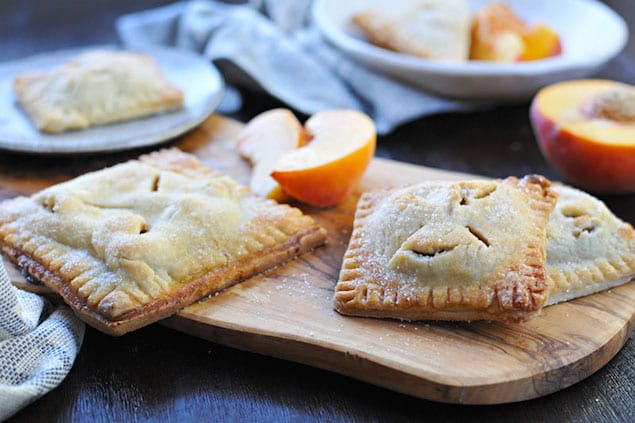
[274,46]
[38,346]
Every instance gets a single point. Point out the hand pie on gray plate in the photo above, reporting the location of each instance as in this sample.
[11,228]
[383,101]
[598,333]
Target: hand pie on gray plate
[95,88]
[444,250]
[131,244]
[588,248]
[431,29]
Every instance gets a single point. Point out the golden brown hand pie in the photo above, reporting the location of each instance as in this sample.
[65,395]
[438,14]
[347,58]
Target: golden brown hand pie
[588,248]
[95,88]
[449,251]
[136,242]
[432,29]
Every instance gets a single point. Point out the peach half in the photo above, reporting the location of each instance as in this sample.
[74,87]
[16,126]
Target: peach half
[586,130]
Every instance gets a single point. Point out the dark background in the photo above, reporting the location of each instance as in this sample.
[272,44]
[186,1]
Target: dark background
[160,374]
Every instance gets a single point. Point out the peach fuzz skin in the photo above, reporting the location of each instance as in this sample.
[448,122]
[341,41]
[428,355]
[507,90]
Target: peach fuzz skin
[596,166]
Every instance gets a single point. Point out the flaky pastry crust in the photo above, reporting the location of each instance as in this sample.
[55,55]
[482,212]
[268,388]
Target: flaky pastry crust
[432,29]
[136,242]
[449,251]
[588,248]
[95,88]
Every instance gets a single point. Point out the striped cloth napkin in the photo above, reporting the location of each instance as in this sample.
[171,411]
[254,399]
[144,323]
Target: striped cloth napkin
[38,345]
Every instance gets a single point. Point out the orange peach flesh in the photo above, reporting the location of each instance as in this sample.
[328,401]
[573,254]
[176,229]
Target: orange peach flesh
[590,151]
[571,104]
[335,134]
[328,168]
[540,42]
[499,35]
[495,34]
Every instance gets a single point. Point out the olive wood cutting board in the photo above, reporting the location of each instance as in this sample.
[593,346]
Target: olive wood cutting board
[287,313]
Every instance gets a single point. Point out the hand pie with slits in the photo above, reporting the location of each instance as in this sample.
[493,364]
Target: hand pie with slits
[432,29]
[136,242]
[444,250]
[95,88]
[588,248]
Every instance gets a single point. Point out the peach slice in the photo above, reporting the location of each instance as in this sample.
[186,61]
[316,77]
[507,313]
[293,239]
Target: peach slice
[586,130]
[328,168]
[263,141]
[540,42]
[498,34]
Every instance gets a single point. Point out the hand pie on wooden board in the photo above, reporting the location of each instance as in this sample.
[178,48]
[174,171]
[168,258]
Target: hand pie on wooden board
[588,248]
[131,244]
[444,250]
[432,29]
[95,88]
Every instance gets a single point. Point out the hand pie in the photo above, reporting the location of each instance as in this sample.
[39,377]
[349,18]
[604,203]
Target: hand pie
[432,29]
[136,242]
[588,248]
[449,251]
[95,88]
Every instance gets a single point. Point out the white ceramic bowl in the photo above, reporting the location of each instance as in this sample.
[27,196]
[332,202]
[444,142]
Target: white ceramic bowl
[590,33]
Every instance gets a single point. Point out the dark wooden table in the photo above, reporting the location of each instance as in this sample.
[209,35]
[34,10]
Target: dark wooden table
[160,374]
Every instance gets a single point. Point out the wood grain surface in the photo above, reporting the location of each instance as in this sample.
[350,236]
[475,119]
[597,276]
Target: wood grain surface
[287,313]
[159,374]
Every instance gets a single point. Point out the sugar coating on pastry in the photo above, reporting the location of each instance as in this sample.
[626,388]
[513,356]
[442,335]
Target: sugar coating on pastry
[95,88]
[432,29]
[589,249]
[136,242]
[443,250]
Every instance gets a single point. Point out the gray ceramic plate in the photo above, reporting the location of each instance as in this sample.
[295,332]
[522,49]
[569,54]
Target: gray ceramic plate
[199,80]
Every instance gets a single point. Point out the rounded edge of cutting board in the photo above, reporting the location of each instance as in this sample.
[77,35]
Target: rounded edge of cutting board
[361,366]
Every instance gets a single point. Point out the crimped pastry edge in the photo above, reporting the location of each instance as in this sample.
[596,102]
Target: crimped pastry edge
[353,291]
[158,309]
[209,283]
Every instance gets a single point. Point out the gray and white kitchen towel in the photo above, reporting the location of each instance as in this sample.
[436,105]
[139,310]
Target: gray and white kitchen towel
[274,46]
[38,345]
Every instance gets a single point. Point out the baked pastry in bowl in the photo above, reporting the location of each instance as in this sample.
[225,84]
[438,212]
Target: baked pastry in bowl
[431,29]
